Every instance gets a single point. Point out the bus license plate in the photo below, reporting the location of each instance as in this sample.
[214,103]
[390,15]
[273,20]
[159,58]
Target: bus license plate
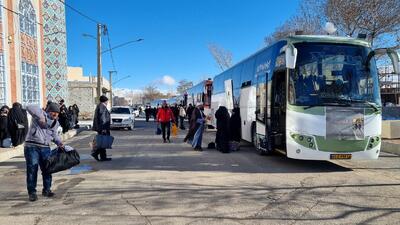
[340,156]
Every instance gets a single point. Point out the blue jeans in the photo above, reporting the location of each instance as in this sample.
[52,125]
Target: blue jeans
[35,156]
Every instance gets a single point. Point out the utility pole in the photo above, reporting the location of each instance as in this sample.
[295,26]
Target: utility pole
[111,93]
[99,76]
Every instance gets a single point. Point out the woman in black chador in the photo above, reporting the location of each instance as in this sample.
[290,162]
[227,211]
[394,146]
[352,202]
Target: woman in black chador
[222,137]
[235,125]
[17,124]
[235,130]
[4,133]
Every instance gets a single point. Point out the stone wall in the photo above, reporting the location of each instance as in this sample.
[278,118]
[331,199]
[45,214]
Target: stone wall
[83,94]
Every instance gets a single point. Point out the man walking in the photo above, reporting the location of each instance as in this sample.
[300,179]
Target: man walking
[42,132]
[164,117]
[102,125]
[147,111]
[189,111]
[182,115]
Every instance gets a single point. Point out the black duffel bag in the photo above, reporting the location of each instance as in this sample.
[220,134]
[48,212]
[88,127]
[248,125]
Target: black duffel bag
[60,160]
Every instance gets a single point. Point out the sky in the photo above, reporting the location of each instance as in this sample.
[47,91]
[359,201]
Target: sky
[176,34]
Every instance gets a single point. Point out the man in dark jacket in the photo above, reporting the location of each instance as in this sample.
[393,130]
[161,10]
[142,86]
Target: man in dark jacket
[101,124]
[189,112]
[63,117]
[147,111]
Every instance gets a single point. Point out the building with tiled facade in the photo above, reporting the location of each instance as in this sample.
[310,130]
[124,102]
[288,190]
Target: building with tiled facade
[32,54]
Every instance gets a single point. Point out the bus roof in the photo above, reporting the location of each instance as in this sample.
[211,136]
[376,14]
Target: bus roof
[328,39]
[309,38]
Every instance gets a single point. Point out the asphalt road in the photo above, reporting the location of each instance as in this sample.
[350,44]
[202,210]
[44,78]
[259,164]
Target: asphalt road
[149,182]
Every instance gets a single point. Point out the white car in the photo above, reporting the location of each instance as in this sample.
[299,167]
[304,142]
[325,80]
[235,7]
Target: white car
[136,112]
[122,117]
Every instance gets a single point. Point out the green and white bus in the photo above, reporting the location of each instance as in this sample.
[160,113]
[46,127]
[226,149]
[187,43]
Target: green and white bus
[309,97]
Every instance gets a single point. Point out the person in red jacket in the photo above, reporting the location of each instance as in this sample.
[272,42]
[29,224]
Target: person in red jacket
[164,117]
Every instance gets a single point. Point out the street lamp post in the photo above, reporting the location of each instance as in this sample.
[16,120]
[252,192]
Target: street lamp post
[99,77]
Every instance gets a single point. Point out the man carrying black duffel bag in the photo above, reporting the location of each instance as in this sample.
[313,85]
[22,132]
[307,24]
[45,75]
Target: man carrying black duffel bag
[101,124]
[42,132]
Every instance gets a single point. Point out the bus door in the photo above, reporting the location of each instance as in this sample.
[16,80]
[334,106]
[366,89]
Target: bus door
[278,109]
[263,120]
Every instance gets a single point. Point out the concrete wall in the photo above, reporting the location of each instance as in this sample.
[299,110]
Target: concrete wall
[83,94]
[83,91]
[391,129]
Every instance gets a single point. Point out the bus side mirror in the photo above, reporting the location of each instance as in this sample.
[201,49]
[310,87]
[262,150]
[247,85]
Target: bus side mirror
[290,56]
[395,58]
[393,55]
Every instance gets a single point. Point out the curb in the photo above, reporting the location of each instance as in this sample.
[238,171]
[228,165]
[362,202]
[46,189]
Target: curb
[8,153]
[390,147]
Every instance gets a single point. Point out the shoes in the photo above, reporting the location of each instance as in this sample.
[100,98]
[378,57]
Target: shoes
[95,156]
[165,141]
[32,197]
[200,149]
[48,194]
[105,159]
[169,141]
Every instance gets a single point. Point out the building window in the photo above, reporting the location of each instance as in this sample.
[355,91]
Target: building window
[29,65]
[27,18]
[30,84]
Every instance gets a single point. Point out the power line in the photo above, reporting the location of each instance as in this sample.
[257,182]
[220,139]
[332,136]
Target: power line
[79,12]
[19,14]
[109,46]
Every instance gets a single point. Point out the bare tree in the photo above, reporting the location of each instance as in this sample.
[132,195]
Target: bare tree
[120,101]
[379,19]
[183,85]
[151,92]
[222,57]
[309,19]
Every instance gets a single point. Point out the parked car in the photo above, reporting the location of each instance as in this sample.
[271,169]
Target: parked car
[136,112]
[122,117]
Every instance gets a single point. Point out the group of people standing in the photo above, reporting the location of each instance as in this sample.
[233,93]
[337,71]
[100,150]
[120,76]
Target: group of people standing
[13,125]
[228,134]
[68,117]
[177,115]
[228,129]
[179,112]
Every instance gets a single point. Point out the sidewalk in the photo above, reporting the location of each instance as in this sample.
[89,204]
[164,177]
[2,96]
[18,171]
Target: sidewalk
[391,146]
[8,153]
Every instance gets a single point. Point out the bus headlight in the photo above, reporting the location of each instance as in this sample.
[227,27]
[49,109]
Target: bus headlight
[304,140]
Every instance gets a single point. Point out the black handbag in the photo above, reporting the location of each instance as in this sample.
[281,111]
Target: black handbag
[60,160]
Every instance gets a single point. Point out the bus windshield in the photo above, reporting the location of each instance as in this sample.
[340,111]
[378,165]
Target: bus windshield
[327,74]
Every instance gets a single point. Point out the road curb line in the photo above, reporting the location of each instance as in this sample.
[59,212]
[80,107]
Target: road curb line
[8,153]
